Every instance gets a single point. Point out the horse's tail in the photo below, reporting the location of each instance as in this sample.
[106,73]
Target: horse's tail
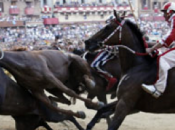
[82,66]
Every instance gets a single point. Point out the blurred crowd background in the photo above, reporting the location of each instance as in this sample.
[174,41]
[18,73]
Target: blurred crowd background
[69,36]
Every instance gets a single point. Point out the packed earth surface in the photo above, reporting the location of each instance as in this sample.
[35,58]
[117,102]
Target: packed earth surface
[138,121]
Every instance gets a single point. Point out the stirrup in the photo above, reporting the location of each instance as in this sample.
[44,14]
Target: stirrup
[156,94]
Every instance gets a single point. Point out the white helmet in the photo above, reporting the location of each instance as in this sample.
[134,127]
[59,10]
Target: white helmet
[169,7]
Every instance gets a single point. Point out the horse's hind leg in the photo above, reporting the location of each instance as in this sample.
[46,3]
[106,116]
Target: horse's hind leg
[44,124]
[30,122]
[73,120]
[58,84]
[43,98]
[59,96]
[63,100]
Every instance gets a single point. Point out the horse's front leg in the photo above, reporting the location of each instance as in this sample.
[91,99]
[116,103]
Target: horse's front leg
[101,113]
[121,111]
[125,106]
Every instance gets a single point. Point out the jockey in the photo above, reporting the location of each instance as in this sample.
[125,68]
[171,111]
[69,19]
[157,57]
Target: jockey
[166,60]
[56,43]
[105,55]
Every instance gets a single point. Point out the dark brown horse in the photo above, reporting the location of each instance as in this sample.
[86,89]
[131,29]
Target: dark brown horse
[136,69]
[27,111]
[54,71]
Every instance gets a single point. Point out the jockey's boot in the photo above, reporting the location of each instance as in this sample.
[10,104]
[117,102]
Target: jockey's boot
[151,89]
[110,79]
[111,83]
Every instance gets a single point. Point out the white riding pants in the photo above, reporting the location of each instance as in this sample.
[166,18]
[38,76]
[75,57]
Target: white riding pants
[166,61]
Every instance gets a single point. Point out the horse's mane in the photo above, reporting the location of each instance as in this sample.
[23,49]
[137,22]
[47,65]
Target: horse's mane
[19,48]
[139,34]
[135,29]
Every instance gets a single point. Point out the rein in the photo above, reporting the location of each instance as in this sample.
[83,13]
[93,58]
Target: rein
[132,51]
[120,36]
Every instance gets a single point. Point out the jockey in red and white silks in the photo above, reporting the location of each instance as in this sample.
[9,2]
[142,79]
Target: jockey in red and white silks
[104,56]
[166,60]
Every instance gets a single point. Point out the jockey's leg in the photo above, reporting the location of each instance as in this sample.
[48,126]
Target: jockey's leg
[166,62]
[110,79]
[99,61]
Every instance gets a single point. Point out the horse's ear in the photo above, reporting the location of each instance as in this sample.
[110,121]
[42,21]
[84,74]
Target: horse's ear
[123,15]
[116,15]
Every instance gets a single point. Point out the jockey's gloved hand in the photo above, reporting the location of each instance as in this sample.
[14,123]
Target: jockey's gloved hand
[154,53]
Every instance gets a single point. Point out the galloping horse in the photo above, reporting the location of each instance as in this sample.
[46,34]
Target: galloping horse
[54,71]
[136,67]
[27,111]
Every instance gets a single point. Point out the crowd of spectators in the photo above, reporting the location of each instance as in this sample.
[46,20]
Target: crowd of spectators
[70,36]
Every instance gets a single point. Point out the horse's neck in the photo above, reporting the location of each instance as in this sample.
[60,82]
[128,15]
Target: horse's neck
[12,60]
[127,59]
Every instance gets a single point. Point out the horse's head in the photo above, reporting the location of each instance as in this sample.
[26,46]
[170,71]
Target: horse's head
[105,35]
[118,31]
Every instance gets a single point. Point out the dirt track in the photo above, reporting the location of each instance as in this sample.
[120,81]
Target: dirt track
[140,121]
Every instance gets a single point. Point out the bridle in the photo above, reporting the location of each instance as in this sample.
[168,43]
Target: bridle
[119,28]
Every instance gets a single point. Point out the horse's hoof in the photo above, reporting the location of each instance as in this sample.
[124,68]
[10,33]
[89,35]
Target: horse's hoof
[100,105]
[81,114]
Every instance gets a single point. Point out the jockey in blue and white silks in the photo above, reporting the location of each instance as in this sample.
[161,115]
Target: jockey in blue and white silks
[104,56]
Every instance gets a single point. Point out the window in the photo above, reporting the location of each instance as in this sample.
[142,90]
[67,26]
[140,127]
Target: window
[145,4]
[13,4]
[29,4]
[66,16]
[165,2]
[156,5]
[45,2]
[85,17]
[1,7]
[64,1]
[82,1]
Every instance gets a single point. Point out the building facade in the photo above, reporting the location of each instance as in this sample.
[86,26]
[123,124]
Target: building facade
[73,11]
[20,8]
[150,6]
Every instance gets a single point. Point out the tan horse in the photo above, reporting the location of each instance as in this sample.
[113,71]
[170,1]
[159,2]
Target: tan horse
[50,70]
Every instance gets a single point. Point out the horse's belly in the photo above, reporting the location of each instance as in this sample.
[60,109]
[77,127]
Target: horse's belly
[15,110]
[62,75]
